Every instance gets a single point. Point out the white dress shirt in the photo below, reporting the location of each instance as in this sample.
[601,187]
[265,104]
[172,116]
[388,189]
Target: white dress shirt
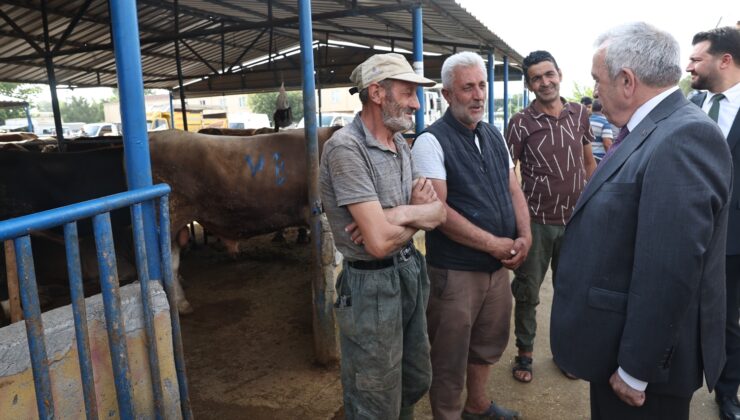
[728,107]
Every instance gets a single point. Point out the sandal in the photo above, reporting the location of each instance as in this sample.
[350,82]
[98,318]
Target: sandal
[522,364]
[494,412]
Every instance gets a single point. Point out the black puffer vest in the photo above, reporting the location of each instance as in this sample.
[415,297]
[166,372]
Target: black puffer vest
[477,188]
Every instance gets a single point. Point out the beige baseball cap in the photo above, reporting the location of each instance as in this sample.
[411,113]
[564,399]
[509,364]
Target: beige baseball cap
[385,66]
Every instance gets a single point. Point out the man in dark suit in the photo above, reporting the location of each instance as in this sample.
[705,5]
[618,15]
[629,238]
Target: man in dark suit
[638,309]
[714,65]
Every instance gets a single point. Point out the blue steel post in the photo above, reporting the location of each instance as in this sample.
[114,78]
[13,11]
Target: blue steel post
[525,93]
[125,29]
[172,111]
[34,327]
[419,65]
[79,313]
[324,331]
[169,286]
[28,116]
[146,303]
[506,92]
[114,321]
[491,103]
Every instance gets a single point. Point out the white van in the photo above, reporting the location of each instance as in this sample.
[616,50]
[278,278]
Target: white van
[330,119]
[242,120]
[100,130]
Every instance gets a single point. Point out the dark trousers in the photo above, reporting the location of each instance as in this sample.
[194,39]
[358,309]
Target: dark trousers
[605,405]
[730,379]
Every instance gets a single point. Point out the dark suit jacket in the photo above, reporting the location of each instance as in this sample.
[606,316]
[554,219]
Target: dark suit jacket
[641,277]
[733,139]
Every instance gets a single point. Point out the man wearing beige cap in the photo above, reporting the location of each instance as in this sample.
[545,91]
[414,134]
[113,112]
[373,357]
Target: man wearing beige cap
[374,208]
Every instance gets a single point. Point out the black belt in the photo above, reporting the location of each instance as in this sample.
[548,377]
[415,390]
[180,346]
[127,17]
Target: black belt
[403,255]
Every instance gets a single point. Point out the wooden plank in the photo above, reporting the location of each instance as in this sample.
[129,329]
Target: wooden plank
[16,312]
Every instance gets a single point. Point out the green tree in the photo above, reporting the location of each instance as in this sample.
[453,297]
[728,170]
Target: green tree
[78,109]
[685,85]
[581,91]
[18,91]
[44,106]
[515,104]
[264,103]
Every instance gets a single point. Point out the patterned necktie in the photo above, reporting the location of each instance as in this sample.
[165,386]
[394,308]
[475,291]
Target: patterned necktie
[714,109]
[622,134]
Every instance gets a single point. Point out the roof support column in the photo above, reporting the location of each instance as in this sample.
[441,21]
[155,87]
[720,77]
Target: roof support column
[324,330]
[28,117]
[172,110]
[178,63]
[491,104]
[525,93]
[506,92]
[49,61]
[125,32]
[419,65]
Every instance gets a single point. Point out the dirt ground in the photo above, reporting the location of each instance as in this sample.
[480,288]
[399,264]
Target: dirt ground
[249,349]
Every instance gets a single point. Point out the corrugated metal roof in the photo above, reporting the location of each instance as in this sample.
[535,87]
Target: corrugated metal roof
[217,37]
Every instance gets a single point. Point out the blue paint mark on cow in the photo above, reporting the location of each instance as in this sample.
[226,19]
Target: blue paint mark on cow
[279,167]
[255,168]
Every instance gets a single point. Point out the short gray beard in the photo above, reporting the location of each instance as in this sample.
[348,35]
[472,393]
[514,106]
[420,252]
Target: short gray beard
[395,124]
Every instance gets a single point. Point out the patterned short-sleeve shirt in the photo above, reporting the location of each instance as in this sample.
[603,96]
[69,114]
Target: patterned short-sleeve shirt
[550,150]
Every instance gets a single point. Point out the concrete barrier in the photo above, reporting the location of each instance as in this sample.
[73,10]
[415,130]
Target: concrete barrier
[17,394]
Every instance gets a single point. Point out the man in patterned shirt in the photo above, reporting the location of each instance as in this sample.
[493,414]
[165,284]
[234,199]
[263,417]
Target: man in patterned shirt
[551,139]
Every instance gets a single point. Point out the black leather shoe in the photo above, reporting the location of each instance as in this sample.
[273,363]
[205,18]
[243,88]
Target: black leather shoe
[729,407]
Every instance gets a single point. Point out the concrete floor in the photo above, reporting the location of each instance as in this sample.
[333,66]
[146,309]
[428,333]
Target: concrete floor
[551,395]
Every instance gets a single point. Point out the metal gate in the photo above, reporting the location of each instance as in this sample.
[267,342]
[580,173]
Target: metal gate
[19,230]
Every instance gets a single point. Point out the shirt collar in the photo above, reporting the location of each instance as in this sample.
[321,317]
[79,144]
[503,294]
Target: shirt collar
[537,114]
[732,95]
[648,106]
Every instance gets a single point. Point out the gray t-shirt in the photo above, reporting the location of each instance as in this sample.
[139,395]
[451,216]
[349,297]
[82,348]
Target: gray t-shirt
[356,168]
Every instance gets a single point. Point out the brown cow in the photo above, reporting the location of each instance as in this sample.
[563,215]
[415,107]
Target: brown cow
[20,136]
[242,132]
[235,187]
[227,131]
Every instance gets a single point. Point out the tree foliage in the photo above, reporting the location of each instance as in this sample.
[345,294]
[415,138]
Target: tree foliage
[264,103]
[685,85]
[78,109]
[515,104]
[581,91]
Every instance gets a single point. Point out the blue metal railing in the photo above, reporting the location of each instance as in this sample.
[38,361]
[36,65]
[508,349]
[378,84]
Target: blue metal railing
[19,230]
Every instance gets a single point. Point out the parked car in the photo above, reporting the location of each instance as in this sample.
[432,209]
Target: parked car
[241,120]
[330,119]
[100,130]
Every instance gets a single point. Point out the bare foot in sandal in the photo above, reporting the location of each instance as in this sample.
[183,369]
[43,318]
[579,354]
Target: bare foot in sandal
[522,370]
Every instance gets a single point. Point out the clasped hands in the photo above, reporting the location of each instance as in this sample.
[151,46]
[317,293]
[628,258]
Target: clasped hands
[511,252]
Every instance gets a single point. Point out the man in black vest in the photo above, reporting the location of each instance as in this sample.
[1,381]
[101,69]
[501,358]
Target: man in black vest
[486,233]
[715,66]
